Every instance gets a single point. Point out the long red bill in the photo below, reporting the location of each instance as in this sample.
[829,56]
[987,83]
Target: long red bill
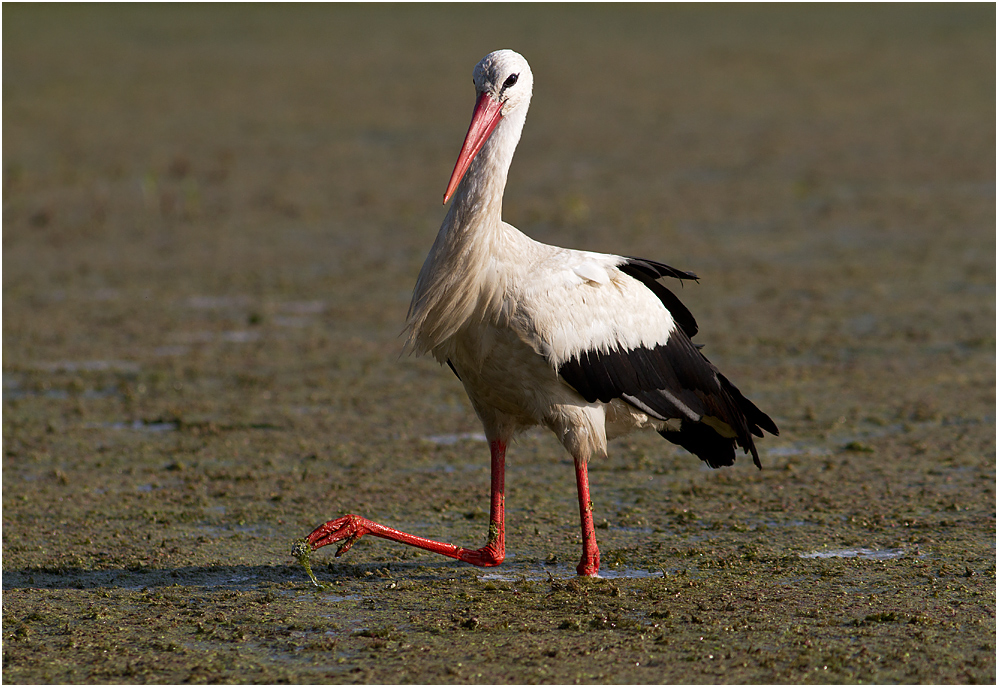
[486,116]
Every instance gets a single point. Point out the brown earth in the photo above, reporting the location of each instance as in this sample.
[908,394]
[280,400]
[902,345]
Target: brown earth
[213,218]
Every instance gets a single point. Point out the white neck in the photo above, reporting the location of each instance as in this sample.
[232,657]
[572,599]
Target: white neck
[478,200]
[456,280]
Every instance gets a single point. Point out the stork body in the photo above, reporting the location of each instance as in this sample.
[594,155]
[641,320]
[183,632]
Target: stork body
[588,345]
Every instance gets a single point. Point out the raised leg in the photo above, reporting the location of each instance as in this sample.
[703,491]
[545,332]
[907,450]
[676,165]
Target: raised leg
[589,564]
[350,528]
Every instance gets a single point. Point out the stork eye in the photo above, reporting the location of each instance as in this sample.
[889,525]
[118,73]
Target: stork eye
[510,80]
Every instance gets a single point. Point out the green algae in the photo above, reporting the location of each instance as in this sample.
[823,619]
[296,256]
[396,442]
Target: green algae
[301,550]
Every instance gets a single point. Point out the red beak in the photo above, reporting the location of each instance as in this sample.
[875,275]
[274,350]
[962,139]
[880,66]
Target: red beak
[486,116]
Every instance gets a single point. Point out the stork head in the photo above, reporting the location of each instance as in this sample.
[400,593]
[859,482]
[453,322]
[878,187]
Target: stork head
[506,77]
[503,84]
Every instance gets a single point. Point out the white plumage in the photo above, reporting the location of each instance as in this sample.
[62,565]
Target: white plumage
[588,345]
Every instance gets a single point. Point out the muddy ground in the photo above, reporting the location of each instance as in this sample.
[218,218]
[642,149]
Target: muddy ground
[212,221]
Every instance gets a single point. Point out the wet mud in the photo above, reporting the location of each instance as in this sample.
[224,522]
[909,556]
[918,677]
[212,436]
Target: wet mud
[214,216]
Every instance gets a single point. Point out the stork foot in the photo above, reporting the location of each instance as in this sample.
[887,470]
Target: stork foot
[348,529]
[589,564]
[490,555]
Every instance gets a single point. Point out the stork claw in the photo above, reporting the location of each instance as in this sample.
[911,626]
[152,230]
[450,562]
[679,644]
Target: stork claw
[347,544]
[349,528]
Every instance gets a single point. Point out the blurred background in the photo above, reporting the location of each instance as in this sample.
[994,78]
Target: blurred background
[157,153]
[213,218]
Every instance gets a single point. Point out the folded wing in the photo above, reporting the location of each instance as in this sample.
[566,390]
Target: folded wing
[628,337]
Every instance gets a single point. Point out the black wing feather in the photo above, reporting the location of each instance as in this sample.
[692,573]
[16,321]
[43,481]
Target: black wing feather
[648,272]
[655,269]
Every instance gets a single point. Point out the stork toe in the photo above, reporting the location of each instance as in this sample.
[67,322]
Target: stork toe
[349,528]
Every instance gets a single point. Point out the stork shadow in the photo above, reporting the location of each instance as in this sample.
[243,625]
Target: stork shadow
[224,577]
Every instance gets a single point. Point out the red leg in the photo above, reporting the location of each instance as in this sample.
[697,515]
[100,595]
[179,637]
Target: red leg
[349,529]
[495,550]
[589,564]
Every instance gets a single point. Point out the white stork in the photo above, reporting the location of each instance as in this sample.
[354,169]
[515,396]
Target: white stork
[585,344]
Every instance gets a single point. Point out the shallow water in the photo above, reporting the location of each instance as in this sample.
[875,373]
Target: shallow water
[861,553]
[565,572]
